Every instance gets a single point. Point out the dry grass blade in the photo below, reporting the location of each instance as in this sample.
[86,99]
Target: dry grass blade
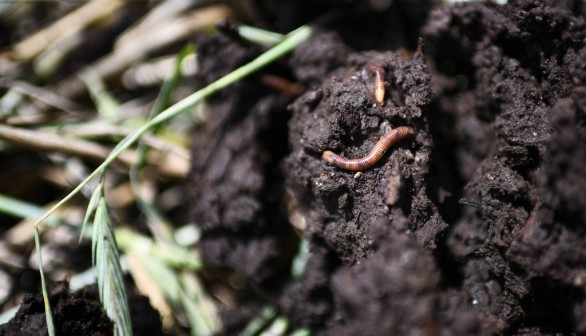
[48,142]
[162,13]
[100,129]
[156,38]
[42,95]
[51,142]
[76,20]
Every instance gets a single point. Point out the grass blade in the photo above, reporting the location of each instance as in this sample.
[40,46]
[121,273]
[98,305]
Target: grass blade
[92,205]
[202,313]
[17,208]
[106,104]
[257,324]
[109,271]
[104,250]
[155,221]
[48,313]
[169,85]
[260,36]
[290,42]
[173,256]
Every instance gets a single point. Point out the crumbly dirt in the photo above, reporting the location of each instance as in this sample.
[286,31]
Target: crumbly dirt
[78,313]
[518,128]
[73,314]
[237,186]
[474,226]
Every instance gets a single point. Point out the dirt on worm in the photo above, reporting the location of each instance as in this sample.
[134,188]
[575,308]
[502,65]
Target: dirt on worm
[476,225]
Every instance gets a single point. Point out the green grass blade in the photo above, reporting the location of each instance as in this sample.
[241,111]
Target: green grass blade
[300,260]
[290,42]
[266,315]
[107,106]
[169,85]
[48,313]
[17,208]
[259,36]
[200,310]
[109,272]
[301,332]
[170,255]
[277,328]
[157,224]
[96,228]
[92,205]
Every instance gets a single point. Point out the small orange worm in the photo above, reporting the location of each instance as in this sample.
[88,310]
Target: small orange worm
[375,154]
[379,82]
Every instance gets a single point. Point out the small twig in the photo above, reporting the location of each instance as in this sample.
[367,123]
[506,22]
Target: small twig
[42,95]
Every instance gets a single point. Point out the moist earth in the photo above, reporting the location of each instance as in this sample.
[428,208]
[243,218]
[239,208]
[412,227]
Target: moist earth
[475,225]
[78,313]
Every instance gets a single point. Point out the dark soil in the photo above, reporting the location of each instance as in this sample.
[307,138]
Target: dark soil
[476,225]
[78,313]
[73,314]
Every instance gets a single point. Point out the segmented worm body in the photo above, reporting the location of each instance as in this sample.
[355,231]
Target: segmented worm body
[375,154]
[379,82]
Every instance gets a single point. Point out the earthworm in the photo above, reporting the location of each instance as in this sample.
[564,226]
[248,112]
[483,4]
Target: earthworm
[379,82]
[375,154]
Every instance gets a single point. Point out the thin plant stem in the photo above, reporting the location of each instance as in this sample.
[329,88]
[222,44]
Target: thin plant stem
[48,313]
[290,42]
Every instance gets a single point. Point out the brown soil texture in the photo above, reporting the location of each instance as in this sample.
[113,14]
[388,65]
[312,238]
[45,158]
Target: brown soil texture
[476,225]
